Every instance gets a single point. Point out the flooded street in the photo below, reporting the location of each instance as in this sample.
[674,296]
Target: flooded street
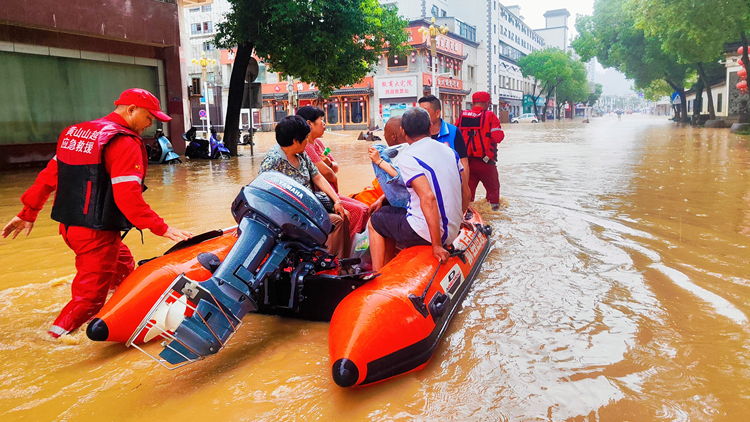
[617,289]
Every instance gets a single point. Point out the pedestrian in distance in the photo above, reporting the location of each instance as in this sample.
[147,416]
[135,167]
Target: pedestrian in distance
[98,172]
[482,132]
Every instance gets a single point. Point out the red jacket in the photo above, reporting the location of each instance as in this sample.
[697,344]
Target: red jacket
[123,160]
[481,131]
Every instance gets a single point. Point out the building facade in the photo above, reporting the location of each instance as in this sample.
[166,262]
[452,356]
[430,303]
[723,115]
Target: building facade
[555,31]
[67,62]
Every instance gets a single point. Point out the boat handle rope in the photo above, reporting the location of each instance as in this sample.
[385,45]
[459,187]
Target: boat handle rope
[418,301]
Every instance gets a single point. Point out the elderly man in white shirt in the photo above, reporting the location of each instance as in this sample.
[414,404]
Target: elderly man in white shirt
[432,173]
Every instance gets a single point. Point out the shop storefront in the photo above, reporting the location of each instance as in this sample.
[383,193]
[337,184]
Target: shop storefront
[450,92]
[396,94]
[528,104]
[347,108]
[513,100]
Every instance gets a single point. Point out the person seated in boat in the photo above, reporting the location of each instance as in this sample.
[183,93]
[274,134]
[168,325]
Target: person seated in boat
[288,157]
[432,172]
[385,163]
[393,137]
[327,166]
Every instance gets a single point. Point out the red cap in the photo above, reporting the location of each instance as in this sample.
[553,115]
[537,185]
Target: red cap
[481,97]
[142,98]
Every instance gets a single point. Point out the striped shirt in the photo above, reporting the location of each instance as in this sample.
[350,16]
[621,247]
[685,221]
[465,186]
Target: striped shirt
[441,166]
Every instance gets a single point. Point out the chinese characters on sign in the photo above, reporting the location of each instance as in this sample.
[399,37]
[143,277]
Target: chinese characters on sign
[405,86]
[79,140]
[442,82]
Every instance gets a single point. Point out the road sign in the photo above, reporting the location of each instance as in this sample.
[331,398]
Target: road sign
[202,113]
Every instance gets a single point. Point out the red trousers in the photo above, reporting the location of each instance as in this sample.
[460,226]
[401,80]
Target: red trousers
[479,171]
[102,262]
[357,214]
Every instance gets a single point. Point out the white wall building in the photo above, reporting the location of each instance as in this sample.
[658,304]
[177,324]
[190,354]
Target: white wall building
[201,21]
[503,38]
[555,31]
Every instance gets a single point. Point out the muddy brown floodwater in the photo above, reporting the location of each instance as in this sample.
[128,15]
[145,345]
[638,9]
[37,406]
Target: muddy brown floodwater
[616,290]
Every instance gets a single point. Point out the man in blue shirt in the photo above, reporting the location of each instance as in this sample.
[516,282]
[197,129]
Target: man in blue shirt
[446,133]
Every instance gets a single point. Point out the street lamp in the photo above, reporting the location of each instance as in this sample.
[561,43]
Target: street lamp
[433,32]
[203,62]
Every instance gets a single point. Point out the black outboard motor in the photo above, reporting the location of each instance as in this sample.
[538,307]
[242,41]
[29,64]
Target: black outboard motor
[282,228]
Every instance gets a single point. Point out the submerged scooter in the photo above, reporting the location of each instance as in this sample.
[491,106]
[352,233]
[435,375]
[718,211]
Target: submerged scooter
[218,149]
[161,150]
[201,148]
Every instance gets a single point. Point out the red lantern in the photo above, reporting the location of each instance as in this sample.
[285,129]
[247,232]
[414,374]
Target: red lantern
[742,85]
[740,50]
[742,73]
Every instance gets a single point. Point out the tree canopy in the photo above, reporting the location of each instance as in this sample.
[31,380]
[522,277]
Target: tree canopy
[693,30]
[550,68]
[330,43]
[611,36]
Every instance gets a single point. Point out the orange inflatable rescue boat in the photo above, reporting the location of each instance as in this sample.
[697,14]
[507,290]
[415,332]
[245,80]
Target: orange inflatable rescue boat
[274,262]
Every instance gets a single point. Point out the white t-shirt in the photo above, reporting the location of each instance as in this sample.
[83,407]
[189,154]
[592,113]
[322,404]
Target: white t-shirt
[442,168]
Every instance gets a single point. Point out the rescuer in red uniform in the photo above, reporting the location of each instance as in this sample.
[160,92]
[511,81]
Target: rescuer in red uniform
[481,131]
[98,173]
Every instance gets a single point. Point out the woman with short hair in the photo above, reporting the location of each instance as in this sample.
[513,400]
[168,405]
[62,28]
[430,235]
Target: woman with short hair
[288,157]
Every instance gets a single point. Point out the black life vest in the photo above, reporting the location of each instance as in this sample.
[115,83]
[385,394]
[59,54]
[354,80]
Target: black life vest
[84,195]
[475,127]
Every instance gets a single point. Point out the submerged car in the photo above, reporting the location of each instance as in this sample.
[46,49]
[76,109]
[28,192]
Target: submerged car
[526,117]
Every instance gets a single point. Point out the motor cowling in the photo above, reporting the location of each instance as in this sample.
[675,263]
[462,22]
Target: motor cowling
[276,215]
[281,201]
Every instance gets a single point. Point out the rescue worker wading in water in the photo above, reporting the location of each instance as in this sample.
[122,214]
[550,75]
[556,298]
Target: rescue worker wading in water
[481,130]
[98,173]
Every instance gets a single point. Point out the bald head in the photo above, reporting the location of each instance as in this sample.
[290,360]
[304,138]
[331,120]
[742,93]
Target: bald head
[392,132]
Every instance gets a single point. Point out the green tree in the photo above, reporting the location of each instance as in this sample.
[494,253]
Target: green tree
[594,96]
[657,90]
[549,67]
[611,36]
[330,43]
[574,89]
[694,30]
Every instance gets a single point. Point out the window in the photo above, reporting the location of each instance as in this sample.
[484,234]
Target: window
[195,9]
[495,68]
[355,110]
[332,112]
[206,8]
[396,61]
[208,27]
[494,49]
[434,11]
[494,28]
[719,103]
[208,46]
[195,28]
[470,70]
[442,13]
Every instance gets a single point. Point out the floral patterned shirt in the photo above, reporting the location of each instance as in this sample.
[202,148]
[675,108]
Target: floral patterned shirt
[276,160]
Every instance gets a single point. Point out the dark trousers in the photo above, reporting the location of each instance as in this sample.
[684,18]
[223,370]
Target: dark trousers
[479,171]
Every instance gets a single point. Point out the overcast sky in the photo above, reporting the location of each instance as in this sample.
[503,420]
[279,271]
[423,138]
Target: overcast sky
[533,10]
[613,82]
